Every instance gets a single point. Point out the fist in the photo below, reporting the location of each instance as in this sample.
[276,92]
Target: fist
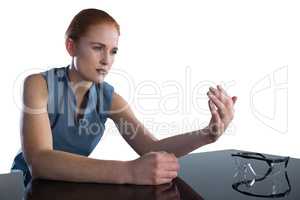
[154,168]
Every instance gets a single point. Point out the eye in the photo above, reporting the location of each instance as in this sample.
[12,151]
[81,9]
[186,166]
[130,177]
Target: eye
[98,48]
[114,52]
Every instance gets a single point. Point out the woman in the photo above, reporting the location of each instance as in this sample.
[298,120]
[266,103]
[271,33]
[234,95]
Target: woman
[64,105]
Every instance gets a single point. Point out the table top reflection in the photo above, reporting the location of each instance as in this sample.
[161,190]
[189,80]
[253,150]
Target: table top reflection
[47,189]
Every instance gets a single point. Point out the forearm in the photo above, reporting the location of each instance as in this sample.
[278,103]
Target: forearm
[183,144]
[59,165]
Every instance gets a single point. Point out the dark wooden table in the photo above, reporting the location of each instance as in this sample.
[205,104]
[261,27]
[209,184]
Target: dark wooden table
[208,176]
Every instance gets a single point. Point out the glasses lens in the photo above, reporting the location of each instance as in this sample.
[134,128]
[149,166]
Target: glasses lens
[251,168]
[270,185]
[258,177]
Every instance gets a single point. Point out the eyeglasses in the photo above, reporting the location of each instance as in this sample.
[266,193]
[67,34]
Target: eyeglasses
[258,175]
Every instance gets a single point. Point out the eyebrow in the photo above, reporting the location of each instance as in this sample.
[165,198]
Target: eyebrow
[99,43]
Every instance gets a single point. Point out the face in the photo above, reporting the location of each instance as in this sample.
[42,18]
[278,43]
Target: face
[95,52]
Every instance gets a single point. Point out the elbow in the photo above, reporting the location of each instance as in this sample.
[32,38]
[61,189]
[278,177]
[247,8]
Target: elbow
[35,165]
[34,168]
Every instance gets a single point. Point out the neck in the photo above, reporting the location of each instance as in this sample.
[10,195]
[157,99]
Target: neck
[78,84]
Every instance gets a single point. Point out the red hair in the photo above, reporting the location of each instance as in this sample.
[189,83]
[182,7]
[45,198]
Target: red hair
[86,18]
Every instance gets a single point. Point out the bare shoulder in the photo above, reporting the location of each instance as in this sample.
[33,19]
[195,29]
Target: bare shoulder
[35,92]
[117,99]
[119,106]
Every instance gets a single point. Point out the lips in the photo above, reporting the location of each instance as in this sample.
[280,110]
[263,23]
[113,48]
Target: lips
[101,71]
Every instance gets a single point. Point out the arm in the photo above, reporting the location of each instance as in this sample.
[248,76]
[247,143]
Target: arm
[130,128]
[183,144]
[142,141]
[43,161]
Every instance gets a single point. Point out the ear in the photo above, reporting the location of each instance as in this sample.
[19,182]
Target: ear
[70,46]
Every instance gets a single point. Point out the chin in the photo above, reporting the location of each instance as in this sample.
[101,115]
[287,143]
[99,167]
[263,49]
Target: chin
[99,80]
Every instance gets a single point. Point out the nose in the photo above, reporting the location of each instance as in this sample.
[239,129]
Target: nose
[104,58]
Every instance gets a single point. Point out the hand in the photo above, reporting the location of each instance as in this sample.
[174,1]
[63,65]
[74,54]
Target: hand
[154,168]
[221,106]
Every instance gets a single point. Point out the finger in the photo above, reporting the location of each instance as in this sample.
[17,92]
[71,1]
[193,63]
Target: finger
[223,92]
[168,174]
[234,98]
[213,110]
[216,120]
[219,94]
[215,91]
[212,107]
[221,107]
[170,166]
[221,89]
[227,100]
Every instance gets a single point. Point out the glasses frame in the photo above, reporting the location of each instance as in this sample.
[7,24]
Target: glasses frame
[270,162]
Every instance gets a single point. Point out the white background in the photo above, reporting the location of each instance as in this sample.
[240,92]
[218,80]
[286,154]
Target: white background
[251,47]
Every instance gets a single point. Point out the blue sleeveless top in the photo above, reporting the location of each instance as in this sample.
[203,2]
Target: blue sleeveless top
[69,134]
